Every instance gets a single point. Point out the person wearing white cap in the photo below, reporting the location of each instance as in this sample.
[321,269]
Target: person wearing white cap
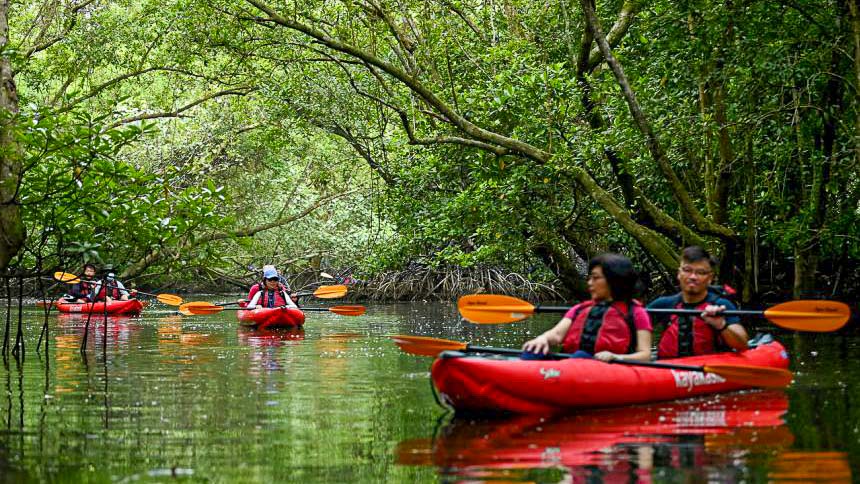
[271,292]
[115,289]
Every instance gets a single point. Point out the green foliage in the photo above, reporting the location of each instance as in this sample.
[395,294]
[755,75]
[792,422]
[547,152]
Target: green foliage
[250,123]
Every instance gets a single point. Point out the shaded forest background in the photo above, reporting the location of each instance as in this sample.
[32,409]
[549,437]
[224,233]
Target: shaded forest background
[446,145]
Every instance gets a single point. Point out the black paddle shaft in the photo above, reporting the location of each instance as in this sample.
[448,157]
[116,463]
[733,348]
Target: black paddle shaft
[650,364]
[729,312]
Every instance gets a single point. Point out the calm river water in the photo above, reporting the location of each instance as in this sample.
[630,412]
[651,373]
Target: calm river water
[165,397]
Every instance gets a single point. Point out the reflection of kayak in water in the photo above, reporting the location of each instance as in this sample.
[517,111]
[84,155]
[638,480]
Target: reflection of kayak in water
[76,319]
[270,337]
[481,382]
[727,422]
[132,306]
[266,318]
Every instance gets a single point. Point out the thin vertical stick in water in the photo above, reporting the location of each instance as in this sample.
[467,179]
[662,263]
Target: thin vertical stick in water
[18,350]
[47,310]
[8,318]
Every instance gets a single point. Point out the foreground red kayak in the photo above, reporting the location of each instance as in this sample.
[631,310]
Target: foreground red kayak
[266,318]
[132,306]
[492,383]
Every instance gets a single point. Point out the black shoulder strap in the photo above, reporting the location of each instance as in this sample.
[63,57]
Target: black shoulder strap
[685,328]
[588,338]
[631,326]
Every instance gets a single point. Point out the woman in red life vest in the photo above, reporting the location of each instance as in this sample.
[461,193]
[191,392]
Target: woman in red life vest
[701,335]
[611,326]
[269,271]
[272,294]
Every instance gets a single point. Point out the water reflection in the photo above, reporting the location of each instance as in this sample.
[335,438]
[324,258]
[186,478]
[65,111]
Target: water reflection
[810,467]
[202,400]
[266,353]
[705,439]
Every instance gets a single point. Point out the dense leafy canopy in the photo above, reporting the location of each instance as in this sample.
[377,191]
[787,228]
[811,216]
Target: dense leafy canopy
[163,136]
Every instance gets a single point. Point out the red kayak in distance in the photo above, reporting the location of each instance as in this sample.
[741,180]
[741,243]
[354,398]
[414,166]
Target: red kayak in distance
[132,306]
[268,318]
[726,423]
[474,382]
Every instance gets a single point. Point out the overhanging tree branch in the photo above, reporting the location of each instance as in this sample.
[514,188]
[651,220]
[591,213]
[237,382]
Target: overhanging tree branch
[177,113]
[164,252]
[678,190]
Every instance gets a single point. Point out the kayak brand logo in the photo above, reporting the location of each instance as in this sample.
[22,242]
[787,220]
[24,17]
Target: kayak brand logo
[825,309]
[692,379]
[551,455]
[550,373]
[707,418]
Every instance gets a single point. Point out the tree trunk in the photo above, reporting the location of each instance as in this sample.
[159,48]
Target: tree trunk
[808,249]
[11,226]
[563,267]
[750,279]
[855,41]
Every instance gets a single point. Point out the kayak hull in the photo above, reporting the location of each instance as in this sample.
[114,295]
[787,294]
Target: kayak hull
[483,383]
[267,318]
[132,306]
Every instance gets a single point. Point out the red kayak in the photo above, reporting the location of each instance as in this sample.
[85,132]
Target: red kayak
[492,383]
[132,306]
[266,318]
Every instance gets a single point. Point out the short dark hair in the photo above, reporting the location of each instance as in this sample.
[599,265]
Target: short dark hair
[90,265]
[694,253]
[619,274]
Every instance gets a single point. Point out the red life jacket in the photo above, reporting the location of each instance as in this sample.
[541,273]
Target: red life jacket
[114,292]
[279,299]
[602,327]
[690,335]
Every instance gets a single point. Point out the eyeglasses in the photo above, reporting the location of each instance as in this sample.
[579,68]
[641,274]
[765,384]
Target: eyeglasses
[699,272]
[272,279]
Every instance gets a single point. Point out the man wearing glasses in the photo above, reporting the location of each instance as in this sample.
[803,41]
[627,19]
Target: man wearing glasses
[709,332]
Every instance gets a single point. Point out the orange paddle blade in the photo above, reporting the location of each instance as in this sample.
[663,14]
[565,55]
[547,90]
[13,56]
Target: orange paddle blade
[45,304]
[169,299]
[426,346]
[493,308]
[67,277]
[348,310]
[814,315]
[330,292]
[759,376]
[200,307]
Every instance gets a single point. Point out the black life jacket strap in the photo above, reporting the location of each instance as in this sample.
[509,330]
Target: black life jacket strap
[270,295]
[685,324]
[588,338]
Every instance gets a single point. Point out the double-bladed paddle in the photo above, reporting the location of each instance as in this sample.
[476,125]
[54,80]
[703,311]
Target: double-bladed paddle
[758,376]
[199,307]
[813,315]
[326,292]
[322,292]
[170,299]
